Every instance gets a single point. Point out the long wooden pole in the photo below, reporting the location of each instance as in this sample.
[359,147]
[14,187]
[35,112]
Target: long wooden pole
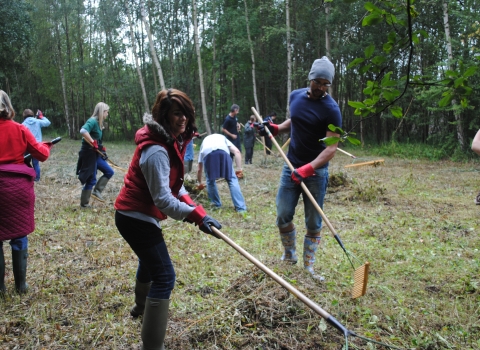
[302,297]
[305,189]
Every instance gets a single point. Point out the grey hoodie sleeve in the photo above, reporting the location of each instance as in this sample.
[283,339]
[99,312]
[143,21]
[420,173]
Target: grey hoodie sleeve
[155,166]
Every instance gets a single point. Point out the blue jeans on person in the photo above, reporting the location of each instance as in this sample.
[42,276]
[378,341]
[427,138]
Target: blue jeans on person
[154,264]
[235,193]
[289,193]
[36,166]
[20,243]
[103,166]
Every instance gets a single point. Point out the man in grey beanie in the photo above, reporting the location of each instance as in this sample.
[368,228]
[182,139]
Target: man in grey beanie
[312,109]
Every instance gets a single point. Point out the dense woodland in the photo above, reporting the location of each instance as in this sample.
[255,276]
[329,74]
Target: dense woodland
[407,68]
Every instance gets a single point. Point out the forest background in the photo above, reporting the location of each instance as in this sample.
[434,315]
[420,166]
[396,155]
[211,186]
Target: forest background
[406,69]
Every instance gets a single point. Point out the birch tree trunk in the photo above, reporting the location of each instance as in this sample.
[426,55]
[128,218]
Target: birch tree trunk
[253,58]
[64,88]
[289,58]
[327,39]
[137,65]
[200,70]
[456,112]
[152,48]
[214,74]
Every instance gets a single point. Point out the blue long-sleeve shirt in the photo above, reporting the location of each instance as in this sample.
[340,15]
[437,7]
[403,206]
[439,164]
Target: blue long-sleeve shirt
[36,125]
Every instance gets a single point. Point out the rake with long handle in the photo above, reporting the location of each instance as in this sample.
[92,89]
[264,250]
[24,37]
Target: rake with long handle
[299,295]
[108,159]
[361,273]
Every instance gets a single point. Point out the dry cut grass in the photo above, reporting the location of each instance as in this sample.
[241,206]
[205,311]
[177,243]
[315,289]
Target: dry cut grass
[413,220]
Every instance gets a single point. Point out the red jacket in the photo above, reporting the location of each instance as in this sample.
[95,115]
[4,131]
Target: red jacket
[134,195]
[16,140]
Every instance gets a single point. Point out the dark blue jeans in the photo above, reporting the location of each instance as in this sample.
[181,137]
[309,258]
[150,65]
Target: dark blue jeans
[20,243]
[103,166]
[154,262]
[36,166]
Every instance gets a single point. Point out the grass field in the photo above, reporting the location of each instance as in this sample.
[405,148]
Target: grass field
[414,220]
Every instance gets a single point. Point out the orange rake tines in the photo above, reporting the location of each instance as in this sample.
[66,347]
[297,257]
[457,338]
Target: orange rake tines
[360,280]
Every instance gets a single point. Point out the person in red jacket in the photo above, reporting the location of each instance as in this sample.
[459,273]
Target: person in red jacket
[17,198]
[153,189]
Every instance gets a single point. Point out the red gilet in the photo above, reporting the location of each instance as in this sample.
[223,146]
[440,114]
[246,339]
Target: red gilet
[134,195]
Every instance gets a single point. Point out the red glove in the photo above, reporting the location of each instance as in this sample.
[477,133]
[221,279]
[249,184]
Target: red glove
[40,114]
[187,200]
[95,144]
[300,174]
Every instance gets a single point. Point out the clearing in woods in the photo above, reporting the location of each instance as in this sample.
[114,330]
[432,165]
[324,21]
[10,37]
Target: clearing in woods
[415,222]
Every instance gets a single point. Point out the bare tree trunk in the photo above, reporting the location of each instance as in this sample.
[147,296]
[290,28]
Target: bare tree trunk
[200,71]
[327,39]
[289,59]
[458,116]
[253,58]
[137,65]
[214,75]
[152,48]
[64,88]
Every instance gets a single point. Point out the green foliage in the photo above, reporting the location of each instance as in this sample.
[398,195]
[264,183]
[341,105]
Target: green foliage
[15,33]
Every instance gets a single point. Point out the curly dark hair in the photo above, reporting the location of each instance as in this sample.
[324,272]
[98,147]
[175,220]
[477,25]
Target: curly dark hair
[164,102]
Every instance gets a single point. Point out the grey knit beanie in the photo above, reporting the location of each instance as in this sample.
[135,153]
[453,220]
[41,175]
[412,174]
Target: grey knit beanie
[322,68]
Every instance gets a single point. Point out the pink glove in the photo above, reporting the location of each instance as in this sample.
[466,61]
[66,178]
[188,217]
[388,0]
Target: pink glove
[40,114]
[300,174]
[95,144]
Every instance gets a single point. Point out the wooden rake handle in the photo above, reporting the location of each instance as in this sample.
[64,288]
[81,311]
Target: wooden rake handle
[304,187]
[344,152]
[108,159]
[303,298]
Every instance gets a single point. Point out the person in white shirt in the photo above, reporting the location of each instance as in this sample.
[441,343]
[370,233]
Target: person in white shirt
[214,157]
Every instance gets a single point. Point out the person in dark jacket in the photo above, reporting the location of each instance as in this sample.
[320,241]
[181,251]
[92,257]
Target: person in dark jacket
[89,159]
[17,197]
[153,189]
[231,127]
[249,139]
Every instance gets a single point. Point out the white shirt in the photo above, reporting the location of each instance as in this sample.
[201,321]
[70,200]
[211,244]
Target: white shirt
[212,143]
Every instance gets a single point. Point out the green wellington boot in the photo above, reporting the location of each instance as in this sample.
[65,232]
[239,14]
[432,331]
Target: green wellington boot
[85,198]
[19,262]
[99,187]
[141,292]
[2,273]
[154,326]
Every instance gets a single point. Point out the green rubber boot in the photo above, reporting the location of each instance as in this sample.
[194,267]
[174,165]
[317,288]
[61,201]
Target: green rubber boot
[141,292]
[154,326]
[85,198]
[2,273]
[99,187]
[19,262]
